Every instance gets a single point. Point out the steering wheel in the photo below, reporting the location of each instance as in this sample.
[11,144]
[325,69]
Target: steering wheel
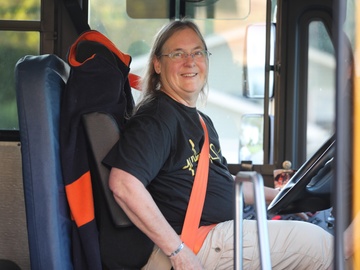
[308,190]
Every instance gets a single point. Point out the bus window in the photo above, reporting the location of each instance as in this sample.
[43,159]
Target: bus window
[28,10]
[15,44]
[321,87]
[193,9]
[251,139]
[17,40]
[254,74]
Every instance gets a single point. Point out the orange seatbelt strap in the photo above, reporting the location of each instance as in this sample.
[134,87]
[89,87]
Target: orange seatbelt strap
[134,81]
[197,196]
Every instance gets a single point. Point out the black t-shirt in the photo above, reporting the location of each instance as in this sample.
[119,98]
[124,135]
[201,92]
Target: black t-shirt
[160,146]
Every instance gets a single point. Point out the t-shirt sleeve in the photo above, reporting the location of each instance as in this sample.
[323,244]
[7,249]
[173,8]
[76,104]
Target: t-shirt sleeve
[142,149]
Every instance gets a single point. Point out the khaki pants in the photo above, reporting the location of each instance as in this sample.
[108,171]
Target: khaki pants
[293,245]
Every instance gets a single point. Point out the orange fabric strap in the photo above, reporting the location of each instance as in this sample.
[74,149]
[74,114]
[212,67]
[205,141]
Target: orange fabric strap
[79,195]
[201,234]
[93,35]
[197,196]
[134,81]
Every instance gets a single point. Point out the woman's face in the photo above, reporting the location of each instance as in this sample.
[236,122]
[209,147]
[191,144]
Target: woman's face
[182,78]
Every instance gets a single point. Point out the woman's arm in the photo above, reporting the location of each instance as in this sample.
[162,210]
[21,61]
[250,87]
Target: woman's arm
[270,194]
[139,206]
[248,190]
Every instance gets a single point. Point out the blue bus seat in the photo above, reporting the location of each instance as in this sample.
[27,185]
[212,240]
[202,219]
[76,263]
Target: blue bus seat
[39,83]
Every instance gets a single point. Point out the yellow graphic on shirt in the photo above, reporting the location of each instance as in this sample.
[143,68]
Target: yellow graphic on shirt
[191,160]
[214,155]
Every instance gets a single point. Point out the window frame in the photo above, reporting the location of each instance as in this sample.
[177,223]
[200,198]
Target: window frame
[291,59]
[47,29]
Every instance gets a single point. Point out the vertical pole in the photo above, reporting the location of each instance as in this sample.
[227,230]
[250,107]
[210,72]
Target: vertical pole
[261,216]
[356,137]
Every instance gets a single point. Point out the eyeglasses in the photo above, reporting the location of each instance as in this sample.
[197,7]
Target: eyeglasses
[178,56]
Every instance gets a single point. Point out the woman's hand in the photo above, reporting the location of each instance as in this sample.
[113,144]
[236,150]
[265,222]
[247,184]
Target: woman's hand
[186,260]
[273,193]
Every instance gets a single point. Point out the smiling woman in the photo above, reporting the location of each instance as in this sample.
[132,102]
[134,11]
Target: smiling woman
[161,147]
[182,78]
[225,103]
[185,76]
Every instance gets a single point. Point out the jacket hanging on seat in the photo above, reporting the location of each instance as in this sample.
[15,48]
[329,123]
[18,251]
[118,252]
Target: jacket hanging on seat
[98,82]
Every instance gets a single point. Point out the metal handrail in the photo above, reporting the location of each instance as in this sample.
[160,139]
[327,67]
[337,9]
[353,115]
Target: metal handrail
[260,206]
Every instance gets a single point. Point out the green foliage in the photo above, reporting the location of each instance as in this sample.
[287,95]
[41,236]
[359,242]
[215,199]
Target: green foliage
[16,46]
[20,10]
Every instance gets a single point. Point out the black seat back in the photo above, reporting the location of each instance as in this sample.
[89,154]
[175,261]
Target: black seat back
[102,133]
[117,235]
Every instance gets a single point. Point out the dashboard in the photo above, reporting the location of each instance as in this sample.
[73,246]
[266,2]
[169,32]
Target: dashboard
[323,218]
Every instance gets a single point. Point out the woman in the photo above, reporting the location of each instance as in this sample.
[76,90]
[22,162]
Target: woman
[154,167]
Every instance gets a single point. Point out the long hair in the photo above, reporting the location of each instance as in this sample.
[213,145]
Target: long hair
[150,83]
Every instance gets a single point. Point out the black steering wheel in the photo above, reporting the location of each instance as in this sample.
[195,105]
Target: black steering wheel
[309,189]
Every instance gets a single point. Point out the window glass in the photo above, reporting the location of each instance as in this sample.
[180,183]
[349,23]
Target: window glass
[211,9]
[14,46]
[28,10]
[321,87]
[226,41]
[350,22]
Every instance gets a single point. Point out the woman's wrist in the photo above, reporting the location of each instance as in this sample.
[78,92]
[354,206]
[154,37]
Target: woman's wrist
[176,251]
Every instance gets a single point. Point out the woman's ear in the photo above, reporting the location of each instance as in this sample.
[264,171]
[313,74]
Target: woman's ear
[157,65]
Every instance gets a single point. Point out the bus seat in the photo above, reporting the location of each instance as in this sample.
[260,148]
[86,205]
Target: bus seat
[115,228]
[39,83]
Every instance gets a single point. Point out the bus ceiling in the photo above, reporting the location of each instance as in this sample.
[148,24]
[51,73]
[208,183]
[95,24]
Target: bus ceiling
[196,9]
